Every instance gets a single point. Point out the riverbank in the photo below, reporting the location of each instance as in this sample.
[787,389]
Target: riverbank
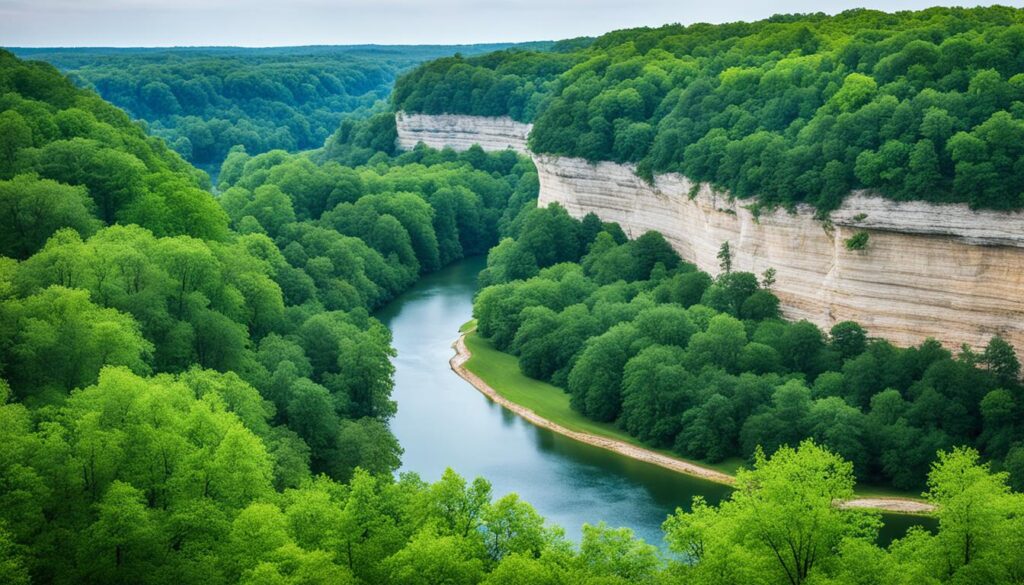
[460,365]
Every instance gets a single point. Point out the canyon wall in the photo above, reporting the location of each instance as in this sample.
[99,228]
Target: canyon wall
[939,271]
[927,271]
[461,132]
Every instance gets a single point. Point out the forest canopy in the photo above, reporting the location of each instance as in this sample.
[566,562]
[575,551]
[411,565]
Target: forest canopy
[707,368]
[203,101]
[925,105]
[193,389]
[70,159]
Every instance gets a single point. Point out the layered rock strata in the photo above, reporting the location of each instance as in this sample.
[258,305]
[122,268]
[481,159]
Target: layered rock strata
[940,271]
[927,270]
[461,132]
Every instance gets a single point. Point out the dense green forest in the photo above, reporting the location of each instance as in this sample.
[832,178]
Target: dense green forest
[193,389]
[924,105]
[704,366]
[204,101]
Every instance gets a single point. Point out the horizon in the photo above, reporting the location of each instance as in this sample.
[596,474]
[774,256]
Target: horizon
[252,24]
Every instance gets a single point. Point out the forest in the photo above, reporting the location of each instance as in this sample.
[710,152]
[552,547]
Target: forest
[193,388]
[203,101]
[925,105]
[707,368]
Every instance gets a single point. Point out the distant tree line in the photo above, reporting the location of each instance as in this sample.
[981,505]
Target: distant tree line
[925,105]
[206,101]
[704,365]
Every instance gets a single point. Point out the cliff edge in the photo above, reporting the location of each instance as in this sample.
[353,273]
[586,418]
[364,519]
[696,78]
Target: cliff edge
[941,271]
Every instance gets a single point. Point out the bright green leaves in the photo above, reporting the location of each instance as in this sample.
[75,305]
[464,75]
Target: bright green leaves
[783,519]
[57,340]
[33,209]
[857,90]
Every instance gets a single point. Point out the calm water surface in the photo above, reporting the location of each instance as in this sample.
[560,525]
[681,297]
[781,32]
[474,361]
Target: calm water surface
[443,421]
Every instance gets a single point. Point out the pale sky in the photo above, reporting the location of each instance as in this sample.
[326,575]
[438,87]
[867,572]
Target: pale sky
[259,23]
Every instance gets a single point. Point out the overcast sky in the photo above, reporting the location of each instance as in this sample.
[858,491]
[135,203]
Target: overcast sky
[47,23]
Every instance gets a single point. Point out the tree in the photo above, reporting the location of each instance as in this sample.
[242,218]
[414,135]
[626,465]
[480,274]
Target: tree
[785,423]
[974,509]
[313,415]
[17,135]
[655,389]
[431,559]
[720,345]
[525,570]
[708,431]
[513,527]
[857,89]
[12,566]
[848,338]
[114,179]
[782,517]
[760,305]
[257,531]
[615,552]
[31,210]
[801,346]
[725,258]
[596,379]
[123,536]
[1001,359]
[58,340]
[731,291]
[365,443]
[550,235]
[840,427]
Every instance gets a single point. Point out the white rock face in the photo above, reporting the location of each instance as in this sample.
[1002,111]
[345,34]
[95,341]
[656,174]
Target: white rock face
[939,271]
[927,271]
[461,132]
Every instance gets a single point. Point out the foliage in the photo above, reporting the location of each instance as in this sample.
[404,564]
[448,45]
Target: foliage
[704,366]
[782,525]
[184,380]
[857,241]
[204,398]
[69,159]
[923,105]
[204,101]
[507,83]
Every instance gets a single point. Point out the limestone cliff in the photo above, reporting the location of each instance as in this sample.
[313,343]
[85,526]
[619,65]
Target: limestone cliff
[461,132]
[927,271]
[939,271]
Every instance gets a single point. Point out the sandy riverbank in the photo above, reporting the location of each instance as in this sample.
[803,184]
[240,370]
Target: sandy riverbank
[458,365]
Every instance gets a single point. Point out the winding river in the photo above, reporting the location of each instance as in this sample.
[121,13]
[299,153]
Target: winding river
[442,422]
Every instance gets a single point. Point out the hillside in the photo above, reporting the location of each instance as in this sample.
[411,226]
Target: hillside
[87,164]
[797,108]
[205,100]
[193,389]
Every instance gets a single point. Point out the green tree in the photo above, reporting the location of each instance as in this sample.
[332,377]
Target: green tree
[58,340]
[1001,359]
[782,517]
[432,559]
[31,210]
[848,338]
[725,258]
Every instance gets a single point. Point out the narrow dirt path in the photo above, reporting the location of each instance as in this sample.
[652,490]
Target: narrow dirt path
[458,365]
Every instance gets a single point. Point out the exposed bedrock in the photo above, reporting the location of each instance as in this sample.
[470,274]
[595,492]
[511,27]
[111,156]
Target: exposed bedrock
[928,270]
[461,132]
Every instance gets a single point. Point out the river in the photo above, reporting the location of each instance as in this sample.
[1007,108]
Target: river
[443,421]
